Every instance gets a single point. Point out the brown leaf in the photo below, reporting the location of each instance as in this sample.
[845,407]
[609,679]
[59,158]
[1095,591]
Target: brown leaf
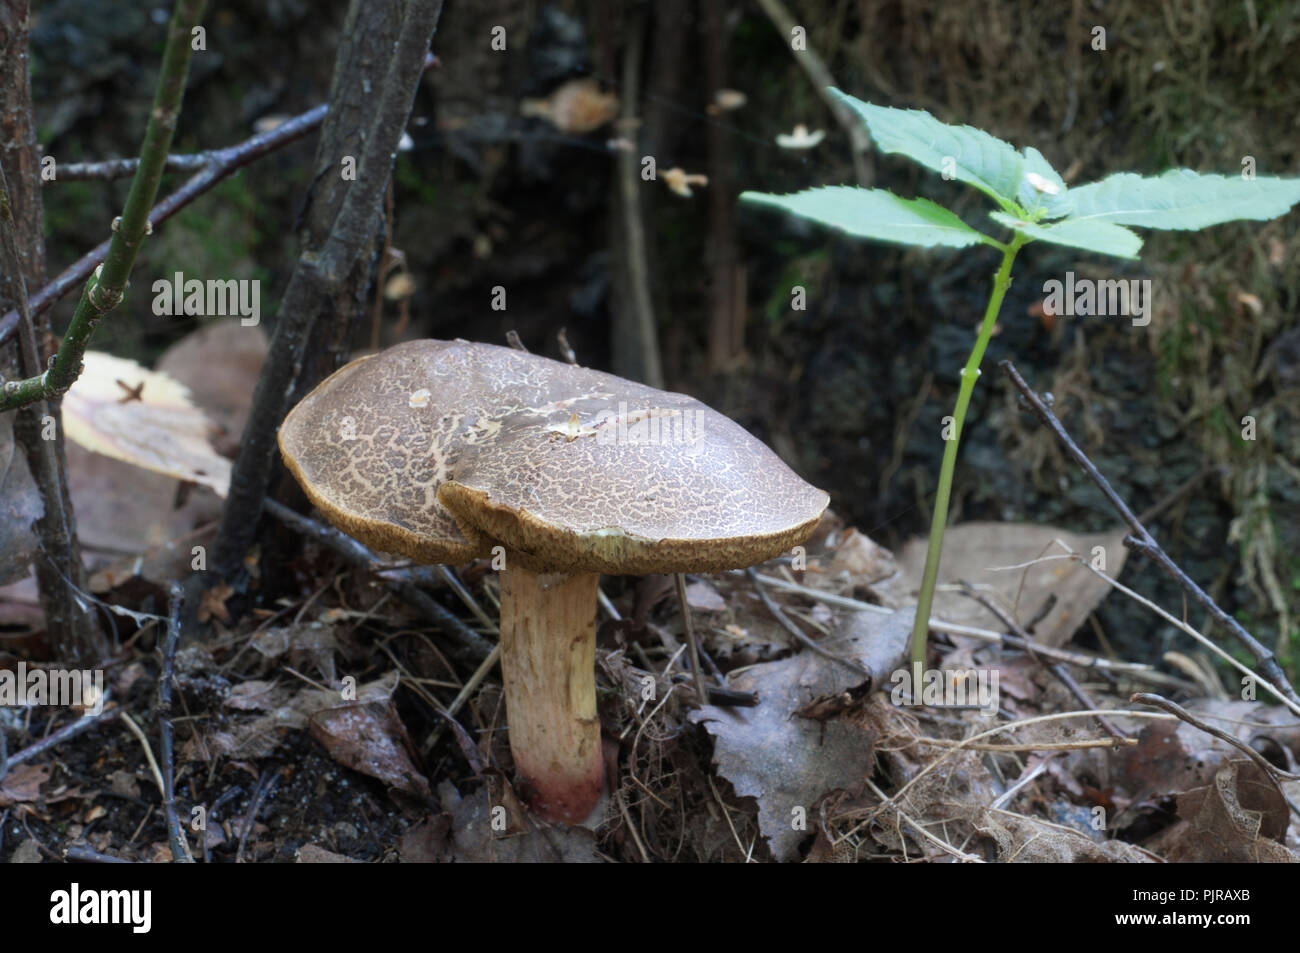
[371,739]
[786,762]
[212,604]
[20,507]
[23,784]
[973,551]
[220,364]
[1241,817]
[476,836]
[162,431]
[311,854]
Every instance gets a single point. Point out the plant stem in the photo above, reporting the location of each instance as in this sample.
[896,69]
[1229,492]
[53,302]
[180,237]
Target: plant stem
[970,373]
[103,292]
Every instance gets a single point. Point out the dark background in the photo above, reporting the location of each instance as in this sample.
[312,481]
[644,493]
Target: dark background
[851,390]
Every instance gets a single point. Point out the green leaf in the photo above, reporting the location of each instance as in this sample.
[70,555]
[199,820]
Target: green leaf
[875,213]
[986,162]
[1038,196]
[1183,199]
[1077,233]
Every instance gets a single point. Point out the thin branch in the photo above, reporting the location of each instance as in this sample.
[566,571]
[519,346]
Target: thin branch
[1145,543]
[224,163]
[794,630]
[1164,704]
[692,642]
[637,301]
[105,289]
[107,170]
[1057,669]
[468,643]
[175,836]
[82,724]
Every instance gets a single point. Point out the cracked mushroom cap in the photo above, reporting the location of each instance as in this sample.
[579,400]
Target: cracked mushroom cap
[439,450]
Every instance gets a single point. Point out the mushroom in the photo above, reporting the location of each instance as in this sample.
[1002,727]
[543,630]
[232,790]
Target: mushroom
[446,451]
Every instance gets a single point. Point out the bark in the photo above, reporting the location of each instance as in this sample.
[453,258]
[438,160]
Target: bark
[376,73]
[73,631]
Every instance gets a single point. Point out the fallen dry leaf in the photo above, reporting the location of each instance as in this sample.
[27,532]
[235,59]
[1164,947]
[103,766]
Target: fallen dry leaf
[971,553]
[311,854]
[23,784]
[787,762]
[469,836]
[212,604]
[162,431]
[20,507]
[220,364]
[371,739]
[1240,817]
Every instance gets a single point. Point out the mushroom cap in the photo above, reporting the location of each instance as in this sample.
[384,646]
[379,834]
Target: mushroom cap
[439,450]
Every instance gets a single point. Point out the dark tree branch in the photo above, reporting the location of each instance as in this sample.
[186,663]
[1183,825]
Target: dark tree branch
[1145,543]
[175,836]
[467,645]
[37,429]
[388,87]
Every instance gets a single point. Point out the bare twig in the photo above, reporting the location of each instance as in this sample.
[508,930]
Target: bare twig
[1145,543]
[84,723]
[637,340]
[1079,659]
[1164,704]
[467,643]
[106,170]
[794,630]
[1182,627]
[692,644]
[148,753]
[265,786]
[175,835]
[1058,670]
[226,162]
[85,854]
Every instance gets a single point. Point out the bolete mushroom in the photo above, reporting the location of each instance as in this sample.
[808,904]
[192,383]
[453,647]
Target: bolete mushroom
[443,451]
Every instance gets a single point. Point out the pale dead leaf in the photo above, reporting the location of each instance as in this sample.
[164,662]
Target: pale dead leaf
[972,551]
[220,364]
[162,431]
[20,507]
[702,597]
[311,854]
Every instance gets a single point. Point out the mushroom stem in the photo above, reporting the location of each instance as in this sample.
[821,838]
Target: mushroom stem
[548,661]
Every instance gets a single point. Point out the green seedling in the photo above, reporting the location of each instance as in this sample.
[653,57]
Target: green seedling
[1034,204]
